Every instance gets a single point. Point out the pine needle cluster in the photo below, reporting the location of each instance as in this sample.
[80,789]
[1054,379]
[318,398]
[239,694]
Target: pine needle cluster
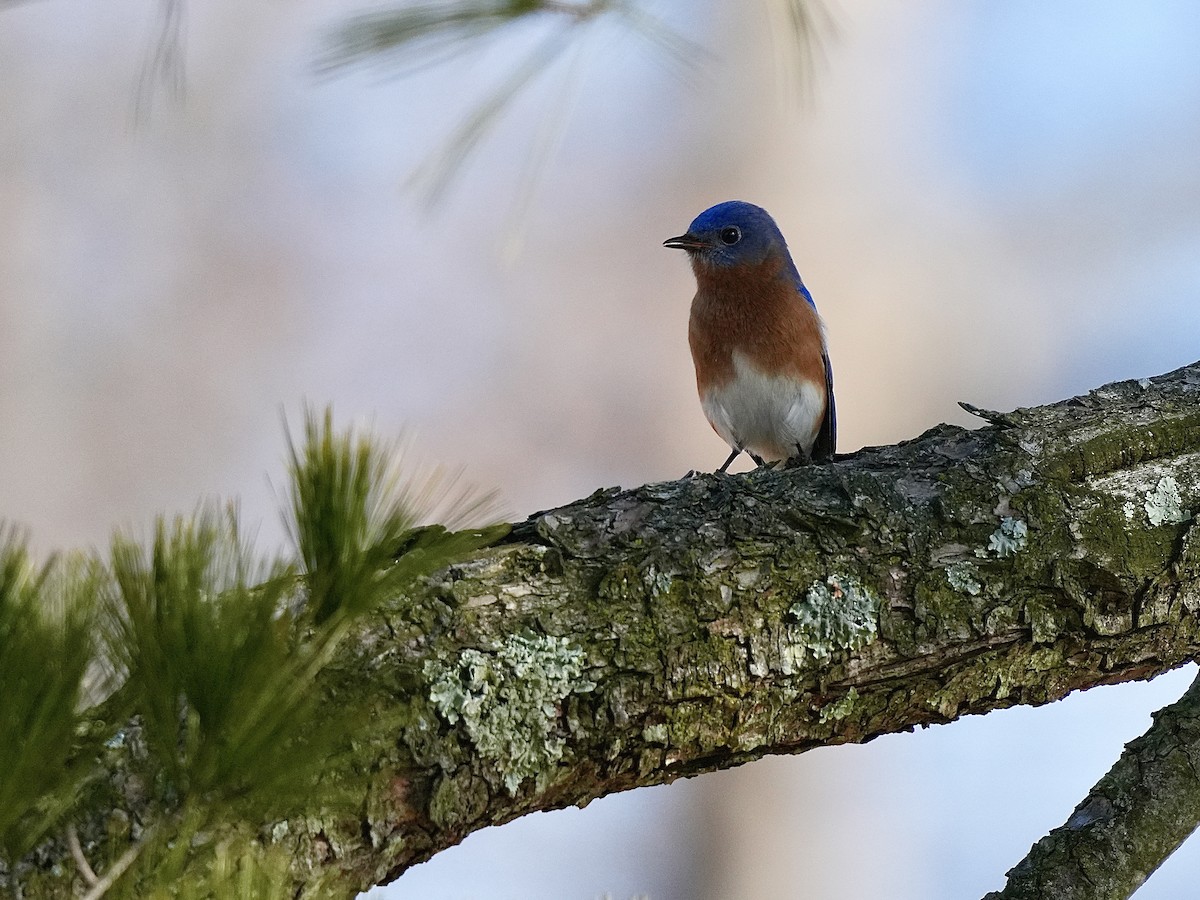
[198,663]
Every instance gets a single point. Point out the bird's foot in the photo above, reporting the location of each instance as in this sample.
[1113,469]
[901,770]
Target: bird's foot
[798,460]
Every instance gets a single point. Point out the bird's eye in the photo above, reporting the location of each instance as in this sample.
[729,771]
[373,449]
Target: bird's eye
[731,234]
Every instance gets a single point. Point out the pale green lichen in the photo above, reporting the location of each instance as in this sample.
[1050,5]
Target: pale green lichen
[1164,505]
[964,578]
[836,614]
[659,582]
[508,700]
[655,734]
[840,709]
[1009,539]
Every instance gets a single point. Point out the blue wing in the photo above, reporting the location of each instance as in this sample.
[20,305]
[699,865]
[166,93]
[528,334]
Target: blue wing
[800,286]
[826,443]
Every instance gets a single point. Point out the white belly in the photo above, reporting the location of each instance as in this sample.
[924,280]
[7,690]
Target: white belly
[767,415]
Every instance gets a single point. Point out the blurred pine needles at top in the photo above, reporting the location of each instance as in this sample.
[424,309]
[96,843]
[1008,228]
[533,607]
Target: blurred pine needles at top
[415,36]
[214,656]
[419,34]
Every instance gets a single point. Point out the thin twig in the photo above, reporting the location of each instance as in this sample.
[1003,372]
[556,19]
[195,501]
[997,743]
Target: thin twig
[85,868]
[115,871]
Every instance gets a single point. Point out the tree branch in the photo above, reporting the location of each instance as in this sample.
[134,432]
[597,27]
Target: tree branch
[640,636]
[718,619]
[1130,822]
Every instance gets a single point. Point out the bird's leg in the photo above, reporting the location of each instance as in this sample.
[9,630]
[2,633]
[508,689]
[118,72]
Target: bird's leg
[732,456]
[758,460]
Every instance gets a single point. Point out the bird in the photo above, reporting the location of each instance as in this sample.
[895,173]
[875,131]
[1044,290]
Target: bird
[762,365]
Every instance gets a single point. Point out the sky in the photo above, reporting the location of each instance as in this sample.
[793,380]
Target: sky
[997,203]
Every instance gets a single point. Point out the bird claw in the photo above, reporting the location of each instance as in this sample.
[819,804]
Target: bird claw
[796,462]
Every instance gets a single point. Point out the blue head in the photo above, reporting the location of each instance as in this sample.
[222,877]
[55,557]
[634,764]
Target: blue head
[735,233]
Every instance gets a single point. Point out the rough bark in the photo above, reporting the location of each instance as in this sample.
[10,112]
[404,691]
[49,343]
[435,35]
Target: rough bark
[640,636]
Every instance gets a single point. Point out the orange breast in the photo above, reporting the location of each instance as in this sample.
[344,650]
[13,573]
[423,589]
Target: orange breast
[757,311]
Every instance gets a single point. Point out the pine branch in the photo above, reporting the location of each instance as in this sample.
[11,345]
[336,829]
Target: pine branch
[635,637]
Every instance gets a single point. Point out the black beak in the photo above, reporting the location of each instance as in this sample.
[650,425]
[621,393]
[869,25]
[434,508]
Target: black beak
[686,241]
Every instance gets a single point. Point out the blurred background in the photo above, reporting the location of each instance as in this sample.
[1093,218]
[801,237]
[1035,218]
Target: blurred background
[997,203]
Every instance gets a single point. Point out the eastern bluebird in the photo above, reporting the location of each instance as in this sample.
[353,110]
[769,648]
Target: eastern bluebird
[762,369]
